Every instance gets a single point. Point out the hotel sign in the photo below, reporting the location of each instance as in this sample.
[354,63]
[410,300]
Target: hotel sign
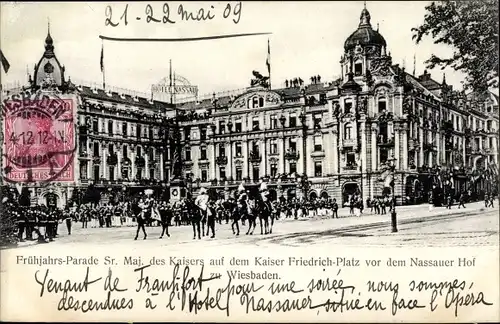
[177,86]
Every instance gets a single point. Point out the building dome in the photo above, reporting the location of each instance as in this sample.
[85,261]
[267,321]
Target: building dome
[364,35]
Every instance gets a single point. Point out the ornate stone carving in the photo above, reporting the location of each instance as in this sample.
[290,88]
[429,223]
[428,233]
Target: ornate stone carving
[380,66]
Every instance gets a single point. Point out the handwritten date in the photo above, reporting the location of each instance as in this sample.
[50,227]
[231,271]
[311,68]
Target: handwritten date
[168,16]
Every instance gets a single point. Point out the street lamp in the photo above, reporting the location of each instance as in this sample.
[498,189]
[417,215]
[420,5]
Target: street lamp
[392,165]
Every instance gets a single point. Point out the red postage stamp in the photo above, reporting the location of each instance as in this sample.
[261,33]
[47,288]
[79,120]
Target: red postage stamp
[39,139]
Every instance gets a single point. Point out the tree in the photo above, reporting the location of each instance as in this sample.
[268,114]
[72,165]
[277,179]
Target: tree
[471,28]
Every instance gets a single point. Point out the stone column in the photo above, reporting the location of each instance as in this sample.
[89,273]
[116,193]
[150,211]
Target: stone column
[440,149]
[162,176]
[282,150]
[132,164]
[118,168]
[146,163]
[363,147]
[264,156]
[246,154]
[364,176]
[104,162]
[405,147]
[421,148]
[213,165]
[335,148]
[396,145]
[374,147]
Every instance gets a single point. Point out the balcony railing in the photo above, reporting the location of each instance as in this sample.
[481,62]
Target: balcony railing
[349,142]
[385,141]
[221,160]
[254,157]
[351,167]
[429,147]
[291,155]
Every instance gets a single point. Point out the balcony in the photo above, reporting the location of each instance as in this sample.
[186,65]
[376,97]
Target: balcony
[351,167]
[112,160]
[221,160]
[385,141]
[84,155]
[413,144]
[429,147]
[202,161]
[140,162]
[349,142]
[254,157]
[291,155]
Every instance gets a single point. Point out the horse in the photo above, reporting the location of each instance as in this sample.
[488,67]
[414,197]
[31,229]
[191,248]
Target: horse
[265,213]
[253,212]
[197,216]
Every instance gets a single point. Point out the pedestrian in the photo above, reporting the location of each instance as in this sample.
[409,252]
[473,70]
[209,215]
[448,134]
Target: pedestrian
[67,215]
[486,200]
[335,208]
[449,201]
[211,218]
[383,204]
[84,217]
[492,198]
[351,205]
[461,200]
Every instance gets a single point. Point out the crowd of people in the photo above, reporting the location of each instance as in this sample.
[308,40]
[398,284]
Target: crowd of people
[203,213]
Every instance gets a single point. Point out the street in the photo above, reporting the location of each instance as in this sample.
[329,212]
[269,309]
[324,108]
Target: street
[418,227]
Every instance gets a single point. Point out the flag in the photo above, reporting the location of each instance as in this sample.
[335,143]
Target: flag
[102,58]
[5,63]
[268,60]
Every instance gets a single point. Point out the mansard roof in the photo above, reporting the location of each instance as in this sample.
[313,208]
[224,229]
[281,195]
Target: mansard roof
[100,94]
[286,93]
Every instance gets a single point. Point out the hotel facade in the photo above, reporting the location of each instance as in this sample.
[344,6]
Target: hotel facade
[308,139]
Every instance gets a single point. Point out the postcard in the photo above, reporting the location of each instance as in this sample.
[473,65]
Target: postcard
[249,161]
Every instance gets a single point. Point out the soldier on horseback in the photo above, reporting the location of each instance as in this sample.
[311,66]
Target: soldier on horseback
[241,209]
[265,210]
[199,214]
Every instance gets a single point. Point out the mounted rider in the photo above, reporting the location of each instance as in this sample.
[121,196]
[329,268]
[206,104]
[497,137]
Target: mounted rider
[242,203]
[265,201]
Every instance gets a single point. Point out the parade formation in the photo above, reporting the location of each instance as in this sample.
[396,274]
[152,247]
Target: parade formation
[250,209]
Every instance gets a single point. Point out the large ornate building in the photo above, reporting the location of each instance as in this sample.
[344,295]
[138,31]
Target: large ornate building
[321,139]
[335,139]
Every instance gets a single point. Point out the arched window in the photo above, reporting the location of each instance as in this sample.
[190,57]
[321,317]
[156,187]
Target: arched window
[348,131]
[261,102]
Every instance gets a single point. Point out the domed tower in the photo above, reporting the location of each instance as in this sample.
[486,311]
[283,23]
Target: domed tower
[361,46]
[48,71]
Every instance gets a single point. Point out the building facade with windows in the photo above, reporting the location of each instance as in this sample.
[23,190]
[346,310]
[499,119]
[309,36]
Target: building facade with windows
[336,139]
[121,139]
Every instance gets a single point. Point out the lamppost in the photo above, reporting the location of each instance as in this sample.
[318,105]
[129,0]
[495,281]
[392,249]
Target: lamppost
[392,166]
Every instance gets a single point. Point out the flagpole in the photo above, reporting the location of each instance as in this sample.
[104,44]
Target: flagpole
[170,79]
[103,70]
[269,62]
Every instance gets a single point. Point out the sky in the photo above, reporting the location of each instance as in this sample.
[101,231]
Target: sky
[307,39]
